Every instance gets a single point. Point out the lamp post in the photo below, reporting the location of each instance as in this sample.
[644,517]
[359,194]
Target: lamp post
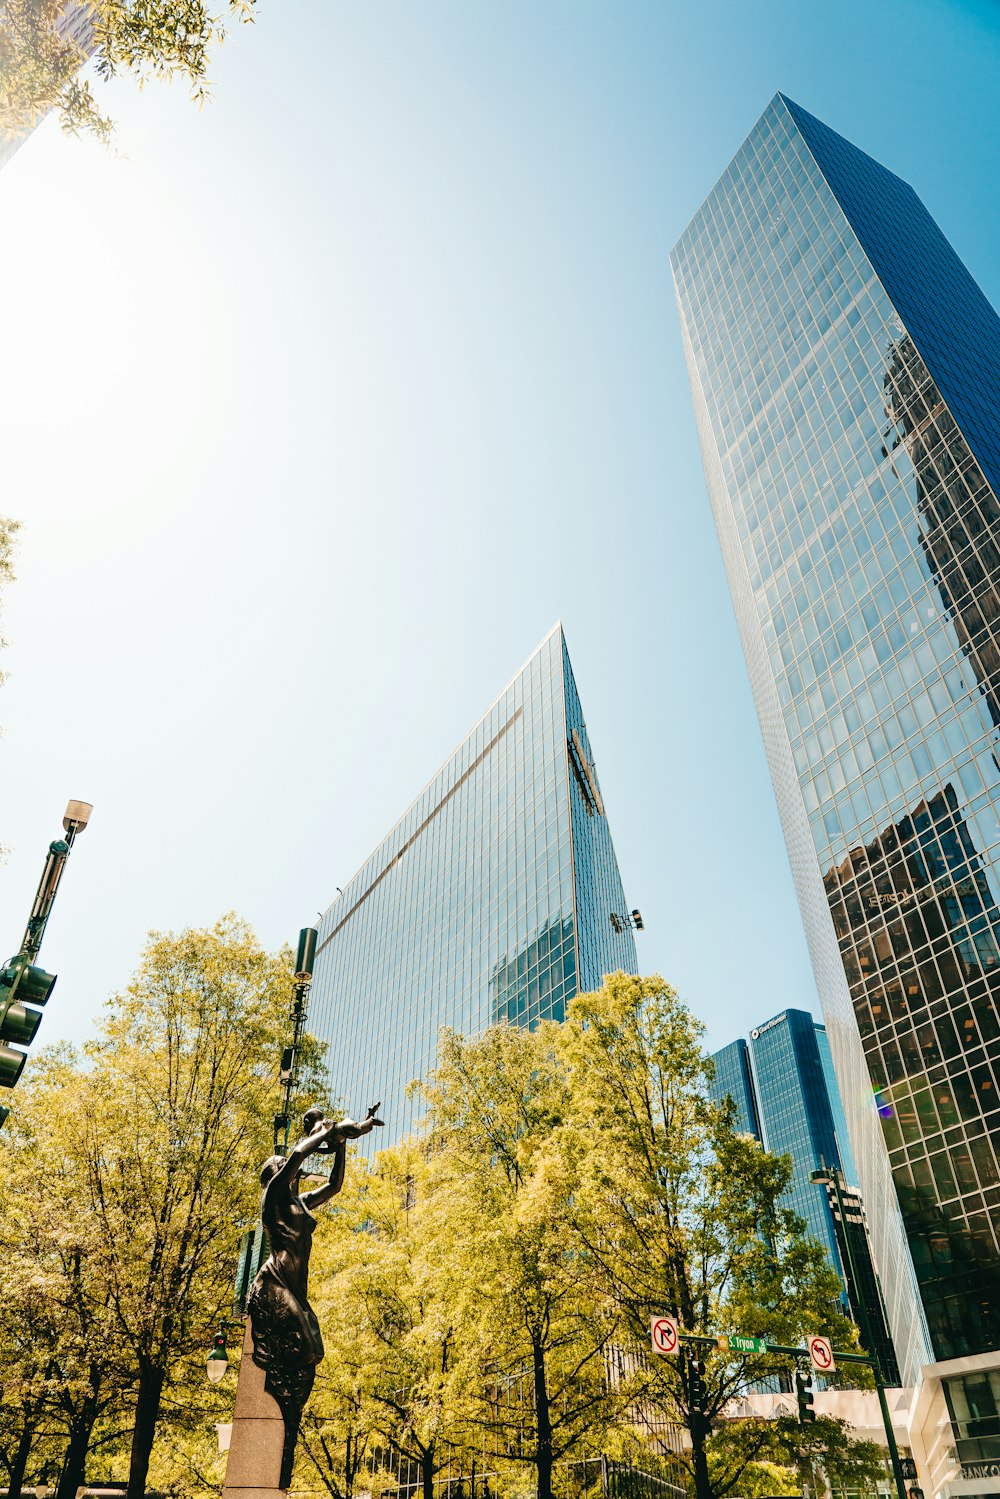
[304,960]
[24,987]
[832,1176]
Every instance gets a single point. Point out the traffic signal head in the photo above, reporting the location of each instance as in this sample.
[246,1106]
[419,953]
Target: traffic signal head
[698,1389]
[22,986]
[804,1395]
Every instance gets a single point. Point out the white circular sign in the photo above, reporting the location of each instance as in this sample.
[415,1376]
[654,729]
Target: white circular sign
[821,1354]
[663,1334]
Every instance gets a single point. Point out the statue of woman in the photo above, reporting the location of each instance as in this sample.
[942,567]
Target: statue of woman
[287,1343]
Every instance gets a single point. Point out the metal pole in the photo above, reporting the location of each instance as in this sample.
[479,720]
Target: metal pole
[304,961]
[75,820]
[836,1176]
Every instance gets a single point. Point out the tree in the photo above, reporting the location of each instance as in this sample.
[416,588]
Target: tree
[64,1370]
[675,1212]
[44,44]
[172,1128]
[788,1454]
[387,1381]
[532,1338]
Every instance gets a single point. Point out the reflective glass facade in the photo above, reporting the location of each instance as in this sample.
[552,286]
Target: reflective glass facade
[733,1080]
[844,1153]
[490,900]
[796,1115]
[845,370]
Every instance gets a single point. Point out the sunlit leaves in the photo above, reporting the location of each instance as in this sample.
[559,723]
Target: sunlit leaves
[44,44]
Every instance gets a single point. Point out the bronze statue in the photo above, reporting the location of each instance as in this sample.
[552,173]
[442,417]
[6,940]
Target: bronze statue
[287,1343]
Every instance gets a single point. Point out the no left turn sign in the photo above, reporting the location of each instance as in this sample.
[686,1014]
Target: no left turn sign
[821,1355]
[663,1334]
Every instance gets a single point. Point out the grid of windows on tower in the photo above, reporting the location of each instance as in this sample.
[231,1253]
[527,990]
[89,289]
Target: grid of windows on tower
[488,902]
[864,533]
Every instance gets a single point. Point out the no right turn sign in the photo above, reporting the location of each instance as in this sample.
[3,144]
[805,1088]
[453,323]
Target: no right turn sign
[663,1335]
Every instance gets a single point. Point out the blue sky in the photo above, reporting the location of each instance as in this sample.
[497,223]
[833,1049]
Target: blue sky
[321,405]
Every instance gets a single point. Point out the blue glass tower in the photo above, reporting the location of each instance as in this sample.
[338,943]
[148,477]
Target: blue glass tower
[496,897]
[785,1093]
[733,1080]
[845,370]
[796,1114]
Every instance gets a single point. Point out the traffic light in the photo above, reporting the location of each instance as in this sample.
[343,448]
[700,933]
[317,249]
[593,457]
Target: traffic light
[22,988]
[697,1388]
[804,1395]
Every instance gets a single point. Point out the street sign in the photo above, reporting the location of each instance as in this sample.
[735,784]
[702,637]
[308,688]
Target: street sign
[731,1342]
[664,1335]
[821,1355]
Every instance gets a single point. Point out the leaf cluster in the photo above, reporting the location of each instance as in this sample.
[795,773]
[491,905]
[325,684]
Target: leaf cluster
[44,44]
[130,1172]
[485,1289]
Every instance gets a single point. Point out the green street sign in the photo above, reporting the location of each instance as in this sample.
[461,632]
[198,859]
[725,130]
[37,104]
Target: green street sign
[731,1342]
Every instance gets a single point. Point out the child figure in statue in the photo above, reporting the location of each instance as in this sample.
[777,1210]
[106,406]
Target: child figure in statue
[287,1343]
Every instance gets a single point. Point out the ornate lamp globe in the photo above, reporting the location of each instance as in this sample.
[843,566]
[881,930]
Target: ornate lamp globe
[218,1360]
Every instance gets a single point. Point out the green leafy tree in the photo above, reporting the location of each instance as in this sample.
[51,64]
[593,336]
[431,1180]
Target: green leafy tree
[174,1123]
[533,1339]
[779,1456]
[675,1212]
[44,44]
[66,1371]
[381,1280]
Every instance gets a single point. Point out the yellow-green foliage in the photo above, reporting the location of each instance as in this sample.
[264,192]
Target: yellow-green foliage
[41,53]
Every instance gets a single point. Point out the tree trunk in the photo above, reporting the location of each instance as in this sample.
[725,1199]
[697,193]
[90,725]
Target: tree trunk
[74,1463]
[427,1471]
[543,1423]
[20,1461]
[147,1411]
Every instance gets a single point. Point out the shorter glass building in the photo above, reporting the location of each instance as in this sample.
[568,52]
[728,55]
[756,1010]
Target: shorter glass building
[796,1114]
[785,1093]
[495,898]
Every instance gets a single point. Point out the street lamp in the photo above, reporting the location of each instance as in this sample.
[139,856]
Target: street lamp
[288,1075]
[218,1360]
[24,987]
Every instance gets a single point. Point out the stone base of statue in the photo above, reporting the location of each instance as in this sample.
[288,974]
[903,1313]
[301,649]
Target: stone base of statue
[258,1439]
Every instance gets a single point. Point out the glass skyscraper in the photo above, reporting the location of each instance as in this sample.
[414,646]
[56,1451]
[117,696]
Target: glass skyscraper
[845,370]
[495,898]
[795,1113]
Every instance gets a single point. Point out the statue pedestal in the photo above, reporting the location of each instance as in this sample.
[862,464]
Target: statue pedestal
[254,1467]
